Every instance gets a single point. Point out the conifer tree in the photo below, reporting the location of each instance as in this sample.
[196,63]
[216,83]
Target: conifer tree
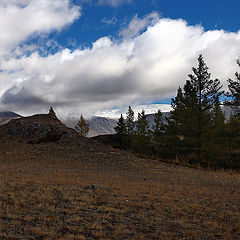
[234,93]
[121,126]
[158,127]
[158,134]
[191,115]
[51,111]
[130,122]
[142,127]
[122,139]
[233,125]
[82,127]
[173,130]
[141,139]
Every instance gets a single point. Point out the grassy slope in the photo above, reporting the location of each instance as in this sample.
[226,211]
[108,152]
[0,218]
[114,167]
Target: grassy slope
[42,196]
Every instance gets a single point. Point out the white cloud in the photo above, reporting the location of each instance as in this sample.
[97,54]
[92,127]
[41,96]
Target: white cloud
[149,108]
[113,3]
[21,19]
[110,21]
[114,74]
[139,24]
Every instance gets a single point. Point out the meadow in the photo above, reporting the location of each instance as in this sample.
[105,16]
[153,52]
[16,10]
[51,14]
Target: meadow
[49,191]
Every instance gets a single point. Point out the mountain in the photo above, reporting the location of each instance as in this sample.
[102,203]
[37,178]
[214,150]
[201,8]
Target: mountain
[104,126]
[97,125]
[5,117]
[101,126]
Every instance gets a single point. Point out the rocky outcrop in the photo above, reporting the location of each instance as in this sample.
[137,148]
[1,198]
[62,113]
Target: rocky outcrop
[38,128]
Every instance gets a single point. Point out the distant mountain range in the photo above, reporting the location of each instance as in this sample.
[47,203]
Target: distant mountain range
[97,125]
[104,126]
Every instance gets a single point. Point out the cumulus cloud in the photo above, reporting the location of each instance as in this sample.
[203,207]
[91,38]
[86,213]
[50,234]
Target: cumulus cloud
[143,68]
[21,19]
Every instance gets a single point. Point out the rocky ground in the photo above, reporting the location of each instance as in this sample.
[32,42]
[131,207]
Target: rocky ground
[56,185]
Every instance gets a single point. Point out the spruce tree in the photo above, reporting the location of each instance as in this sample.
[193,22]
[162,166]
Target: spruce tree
[130,122]
[233,125]
[158,134]
[141,139]
[51,111]
[122,139]
[234,93]
[82,127]
[192,107]
[121,126]
[158,126]
[173,130]
[142,127]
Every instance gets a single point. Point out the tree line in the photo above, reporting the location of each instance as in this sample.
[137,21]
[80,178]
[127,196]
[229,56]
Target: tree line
[196,132]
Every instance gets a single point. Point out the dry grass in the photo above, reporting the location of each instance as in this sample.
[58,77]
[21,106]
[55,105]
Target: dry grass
[43,196]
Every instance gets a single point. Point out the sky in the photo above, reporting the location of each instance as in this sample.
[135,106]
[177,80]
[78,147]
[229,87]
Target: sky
[97,57]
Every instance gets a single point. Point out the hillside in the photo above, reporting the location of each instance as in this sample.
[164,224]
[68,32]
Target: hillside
[7,116]
[57,185]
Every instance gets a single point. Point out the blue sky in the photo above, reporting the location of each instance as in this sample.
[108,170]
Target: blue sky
[96,56]
[100,20]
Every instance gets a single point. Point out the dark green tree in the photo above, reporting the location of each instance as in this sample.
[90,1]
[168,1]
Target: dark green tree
[142,126]
[141,139]
[233,124]
[214,141]
[206,92]
[121,126]
[130,122]
[173,130]
[234,93]
[51,111]
[157,134]
[192,107]
[122,139]
[157,131]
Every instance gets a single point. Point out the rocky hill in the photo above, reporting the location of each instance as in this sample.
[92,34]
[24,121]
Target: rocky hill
[7,116]
[20,133]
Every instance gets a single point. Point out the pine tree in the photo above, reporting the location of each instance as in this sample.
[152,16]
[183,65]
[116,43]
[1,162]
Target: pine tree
[51,111]
[214,142]
[130,122]
[192,107]
[173,129]
[141,140]
[158,134]
[82,127]
[158,127]
[142,127]
[233,125]
[121,126]
[234,93]
[122,139]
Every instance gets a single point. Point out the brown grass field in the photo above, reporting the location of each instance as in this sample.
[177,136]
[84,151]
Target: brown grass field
[43,195]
